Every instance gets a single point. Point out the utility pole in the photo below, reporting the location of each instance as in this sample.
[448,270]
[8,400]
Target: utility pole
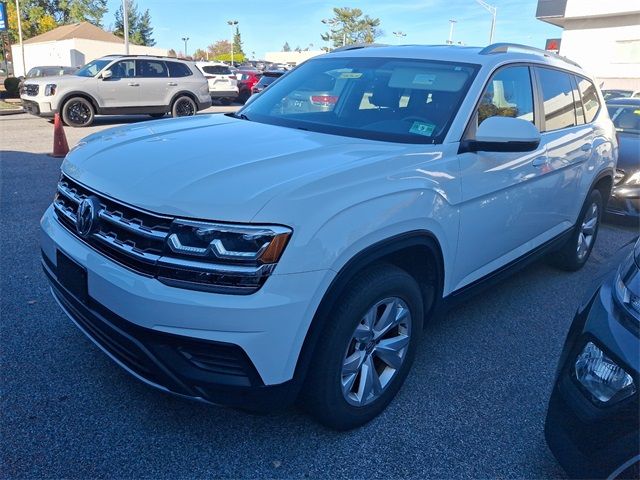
[452,24]
[185,40]
[24,64]
[125,20]
[232,23]
[493,10]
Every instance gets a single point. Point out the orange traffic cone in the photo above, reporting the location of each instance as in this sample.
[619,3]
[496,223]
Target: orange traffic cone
[60,145]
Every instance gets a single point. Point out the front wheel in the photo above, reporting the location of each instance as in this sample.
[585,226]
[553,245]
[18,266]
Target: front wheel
[78,112]
[575,253]
[366,349]
[184,107]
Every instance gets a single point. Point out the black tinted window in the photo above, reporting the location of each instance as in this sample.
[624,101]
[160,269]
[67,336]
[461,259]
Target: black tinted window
[123,69]
[589,98]
[508,94]
[557,95]
[150,69]
[216,70]
[178,69]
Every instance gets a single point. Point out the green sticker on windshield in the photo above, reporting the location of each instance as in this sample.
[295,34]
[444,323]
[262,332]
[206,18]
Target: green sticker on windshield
[350,75]
[422,128]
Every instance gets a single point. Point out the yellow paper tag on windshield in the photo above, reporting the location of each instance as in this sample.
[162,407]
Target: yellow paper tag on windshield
[637,112]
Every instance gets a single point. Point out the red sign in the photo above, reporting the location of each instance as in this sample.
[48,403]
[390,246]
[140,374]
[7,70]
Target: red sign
[553,45]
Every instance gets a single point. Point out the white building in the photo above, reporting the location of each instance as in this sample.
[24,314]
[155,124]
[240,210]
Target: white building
[291,58]
[602,36]
[72,46]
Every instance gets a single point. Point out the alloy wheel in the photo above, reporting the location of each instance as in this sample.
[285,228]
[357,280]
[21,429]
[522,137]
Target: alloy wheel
[376,351]
[78,113]
[185,108]
[587,231]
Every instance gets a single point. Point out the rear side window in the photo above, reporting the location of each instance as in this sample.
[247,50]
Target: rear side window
[557,95]
[216,70]
[177,69]
[508,94]
[151,69]
[589,98]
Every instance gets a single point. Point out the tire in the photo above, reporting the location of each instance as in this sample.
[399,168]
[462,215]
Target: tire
[78,112]
[225,101]
[575,253]
[157,115]
[183,107]
[366,297]
[244,96]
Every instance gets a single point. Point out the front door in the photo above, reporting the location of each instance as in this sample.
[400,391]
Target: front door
[122,89]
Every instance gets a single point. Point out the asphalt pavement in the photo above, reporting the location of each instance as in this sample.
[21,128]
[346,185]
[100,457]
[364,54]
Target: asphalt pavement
[473,406]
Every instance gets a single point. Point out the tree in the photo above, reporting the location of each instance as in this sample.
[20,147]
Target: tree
[35,18]
[72,11]
[172,53]
[221,47]
[140,29]
[200,54]
[349,26]
[237,44]
[286,47]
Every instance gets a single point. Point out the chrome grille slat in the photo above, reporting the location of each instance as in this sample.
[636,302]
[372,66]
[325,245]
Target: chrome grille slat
[121,222]
[69,193]
[125,248]
[64,210]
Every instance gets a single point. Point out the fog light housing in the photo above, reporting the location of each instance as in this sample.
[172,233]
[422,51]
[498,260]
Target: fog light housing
[605,380]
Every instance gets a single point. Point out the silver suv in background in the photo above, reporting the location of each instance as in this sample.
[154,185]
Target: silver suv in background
[119,85]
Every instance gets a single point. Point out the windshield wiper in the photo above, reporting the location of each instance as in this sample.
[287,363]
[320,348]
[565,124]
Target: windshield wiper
[242,116]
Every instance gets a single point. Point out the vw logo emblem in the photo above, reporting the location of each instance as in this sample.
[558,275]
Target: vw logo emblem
[86,216]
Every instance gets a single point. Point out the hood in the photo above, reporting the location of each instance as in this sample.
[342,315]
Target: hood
[629,153]
[209,166]
[58,79]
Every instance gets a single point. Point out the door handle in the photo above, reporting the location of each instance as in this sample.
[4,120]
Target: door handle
[540,161]
[131,84]
[172,84]
[586,147]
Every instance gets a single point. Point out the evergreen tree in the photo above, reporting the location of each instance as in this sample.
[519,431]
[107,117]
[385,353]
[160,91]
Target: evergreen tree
[237,43]
[286,47]
[140,29]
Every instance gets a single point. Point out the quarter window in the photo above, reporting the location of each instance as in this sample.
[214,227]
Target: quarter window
[589,98]
[150,69]
[508,94]
[557,95]
[177,69]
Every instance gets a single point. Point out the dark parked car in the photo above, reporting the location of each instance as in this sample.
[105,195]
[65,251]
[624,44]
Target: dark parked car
[267,79]
[246,80]
[592,419]
[50,71]
[625,196]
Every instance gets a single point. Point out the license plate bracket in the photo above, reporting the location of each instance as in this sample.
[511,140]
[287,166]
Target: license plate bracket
[72,276]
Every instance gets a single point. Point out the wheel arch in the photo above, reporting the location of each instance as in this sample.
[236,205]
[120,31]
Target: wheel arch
[401,250]
[604,183]
[85,95]
[183,93]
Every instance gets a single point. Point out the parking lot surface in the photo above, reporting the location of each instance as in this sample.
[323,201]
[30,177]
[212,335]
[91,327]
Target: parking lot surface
[473,406]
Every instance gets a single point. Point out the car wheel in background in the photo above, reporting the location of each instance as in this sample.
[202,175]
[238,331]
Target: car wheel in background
[366,349]
[575,253]
[157,115]
[243,96]
[184,107]
[78,112]
[225,101]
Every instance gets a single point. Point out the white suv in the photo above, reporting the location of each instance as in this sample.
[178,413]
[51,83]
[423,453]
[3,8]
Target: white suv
[119,85]
[307,266]
[223,84]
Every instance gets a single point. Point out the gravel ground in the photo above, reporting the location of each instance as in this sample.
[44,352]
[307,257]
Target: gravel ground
[473,406]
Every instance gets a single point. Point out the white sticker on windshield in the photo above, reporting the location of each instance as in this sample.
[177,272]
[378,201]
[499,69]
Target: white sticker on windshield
[350,75]
[424,79]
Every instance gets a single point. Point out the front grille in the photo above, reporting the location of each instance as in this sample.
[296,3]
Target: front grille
[619,176]
[137,240]
[31,89]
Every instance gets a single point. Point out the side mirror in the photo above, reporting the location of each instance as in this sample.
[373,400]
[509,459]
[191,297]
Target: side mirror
[107,74]
[503,134]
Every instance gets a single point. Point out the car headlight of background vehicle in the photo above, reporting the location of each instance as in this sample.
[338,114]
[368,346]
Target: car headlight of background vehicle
[242,244]
[601,376]
[627,283]
[50,89]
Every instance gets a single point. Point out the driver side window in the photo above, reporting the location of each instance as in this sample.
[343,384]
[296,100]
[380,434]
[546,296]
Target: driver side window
[123,69]
[508,94]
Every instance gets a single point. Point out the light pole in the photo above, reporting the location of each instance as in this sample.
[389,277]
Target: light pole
[125,26]
[232,23]
[493,11]
[24,65]
[452,24]
[185,40]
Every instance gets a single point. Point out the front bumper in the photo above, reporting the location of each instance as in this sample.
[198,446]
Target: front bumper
[41,109]
[226,349]
[588,440]
[624,202]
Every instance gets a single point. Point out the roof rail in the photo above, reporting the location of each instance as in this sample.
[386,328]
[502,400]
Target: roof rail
[504,48]
[357,46]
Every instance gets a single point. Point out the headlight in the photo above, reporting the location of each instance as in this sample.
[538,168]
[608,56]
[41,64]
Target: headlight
[50,89]
[633,179]
[601,376]
[228,243]
[627,283]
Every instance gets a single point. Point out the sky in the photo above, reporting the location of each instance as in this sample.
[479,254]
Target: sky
[267,25]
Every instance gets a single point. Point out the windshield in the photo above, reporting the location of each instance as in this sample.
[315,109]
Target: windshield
[398,100]
[625,118]
[91,69]
[607,94]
